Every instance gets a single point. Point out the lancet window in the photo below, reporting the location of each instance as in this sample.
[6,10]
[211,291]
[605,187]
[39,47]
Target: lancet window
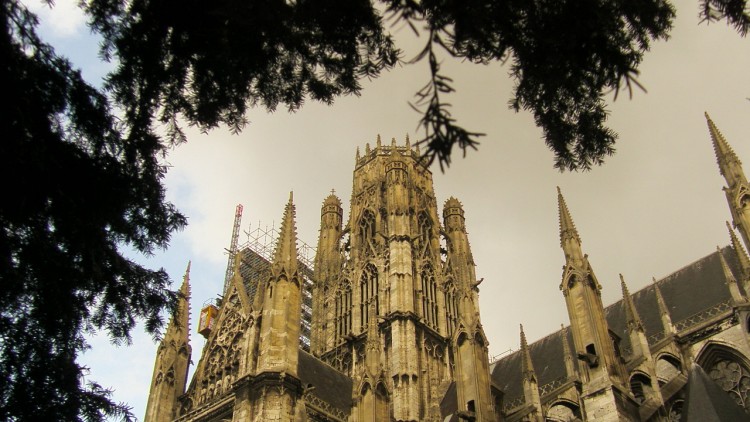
[343,312]
[429,296]
[368,286]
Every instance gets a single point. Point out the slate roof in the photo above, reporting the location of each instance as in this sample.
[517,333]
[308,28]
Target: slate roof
[687,292]
[331,386]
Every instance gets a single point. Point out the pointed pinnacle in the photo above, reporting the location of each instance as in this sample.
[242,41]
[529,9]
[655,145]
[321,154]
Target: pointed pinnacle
[186,281]
[567,227]
[723,151]
[631,314]
[659,298]
[528,367]
[740,252]
[725,267]
[286,247]
[378,141]
[408,144]
[566,346]
[183,304]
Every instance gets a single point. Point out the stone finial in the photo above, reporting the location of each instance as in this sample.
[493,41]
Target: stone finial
[408,144]
[367,148]
[731,281]
[378,143]
[527,365]
[740,252]
[666,318]
[358,156]
[728,275]
[332,199]
[632,319]
[393,143]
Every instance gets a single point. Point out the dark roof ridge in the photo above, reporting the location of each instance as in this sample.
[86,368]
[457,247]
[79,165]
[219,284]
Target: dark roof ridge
[321,361]
[665,278]
[644,288]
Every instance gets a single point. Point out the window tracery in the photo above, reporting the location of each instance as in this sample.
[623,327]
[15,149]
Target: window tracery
[734,378]
[367,227]
[424,224]
[451,307]
[223,357]
[368,286]
[343,311]
[429,297]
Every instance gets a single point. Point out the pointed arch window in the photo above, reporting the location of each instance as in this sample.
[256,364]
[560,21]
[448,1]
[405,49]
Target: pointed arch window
[451,307]
[425,230]
[343,312]
[429,296]
[368,290]
[367,227]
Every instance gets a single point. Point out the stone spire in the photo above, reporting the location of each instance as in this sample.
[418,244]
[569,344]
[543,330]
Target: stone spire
[737,185]
[598,363]
[742,257]
[725,156]
[285,257]
[328,261]
[282,304]
[172,360]
[734,288]
[530,384]
[569,238]
[632,319]
[666,319]
[636,332]
[526,363]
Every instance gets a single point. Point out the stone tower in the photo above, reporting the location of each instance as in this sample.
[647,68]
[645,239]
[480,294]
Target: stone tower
[600,366]
[381,280]
[172,359]
[737,189]
[271,389]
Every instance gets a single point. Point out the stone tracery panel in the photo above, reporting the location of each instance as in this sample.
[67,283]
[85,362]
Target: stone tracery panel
[733,378]
[730,370]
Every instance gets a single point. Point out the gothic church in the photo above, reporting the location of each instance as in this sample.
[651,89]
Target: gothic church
[395,331]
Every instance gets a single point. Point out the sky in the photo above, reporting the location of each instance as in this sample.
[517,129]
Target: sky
[654,207]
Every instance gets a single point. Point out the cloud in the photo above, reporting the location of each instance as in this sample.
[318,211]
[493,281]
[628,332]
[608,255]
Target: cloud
[62,19]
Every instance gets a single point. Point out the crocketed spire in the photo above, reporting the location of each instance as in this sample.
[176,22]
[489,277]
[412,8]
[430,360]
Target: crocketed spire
[724,153]
[285,258]
[632,319]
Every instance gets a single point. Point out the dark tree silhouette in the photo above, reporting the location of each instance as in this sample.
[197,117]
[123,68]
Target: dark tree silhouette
[81,184]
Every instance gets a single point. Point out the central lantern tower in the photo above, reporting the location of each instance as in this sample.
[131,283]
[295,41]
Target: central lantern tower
[392,309]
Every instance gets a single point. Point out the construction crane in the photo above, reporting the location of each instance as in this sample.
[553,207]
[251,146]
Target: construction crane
[233,247]
[209,311]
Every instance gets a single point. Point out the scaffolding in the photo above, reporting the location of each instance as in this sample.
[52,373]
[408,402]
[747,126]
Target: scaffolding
[232,251]
[255,267]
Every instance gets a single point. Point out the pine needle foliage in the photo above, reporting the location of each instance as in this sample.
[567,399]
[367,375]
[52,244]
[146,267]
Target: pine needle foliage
[81,165]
